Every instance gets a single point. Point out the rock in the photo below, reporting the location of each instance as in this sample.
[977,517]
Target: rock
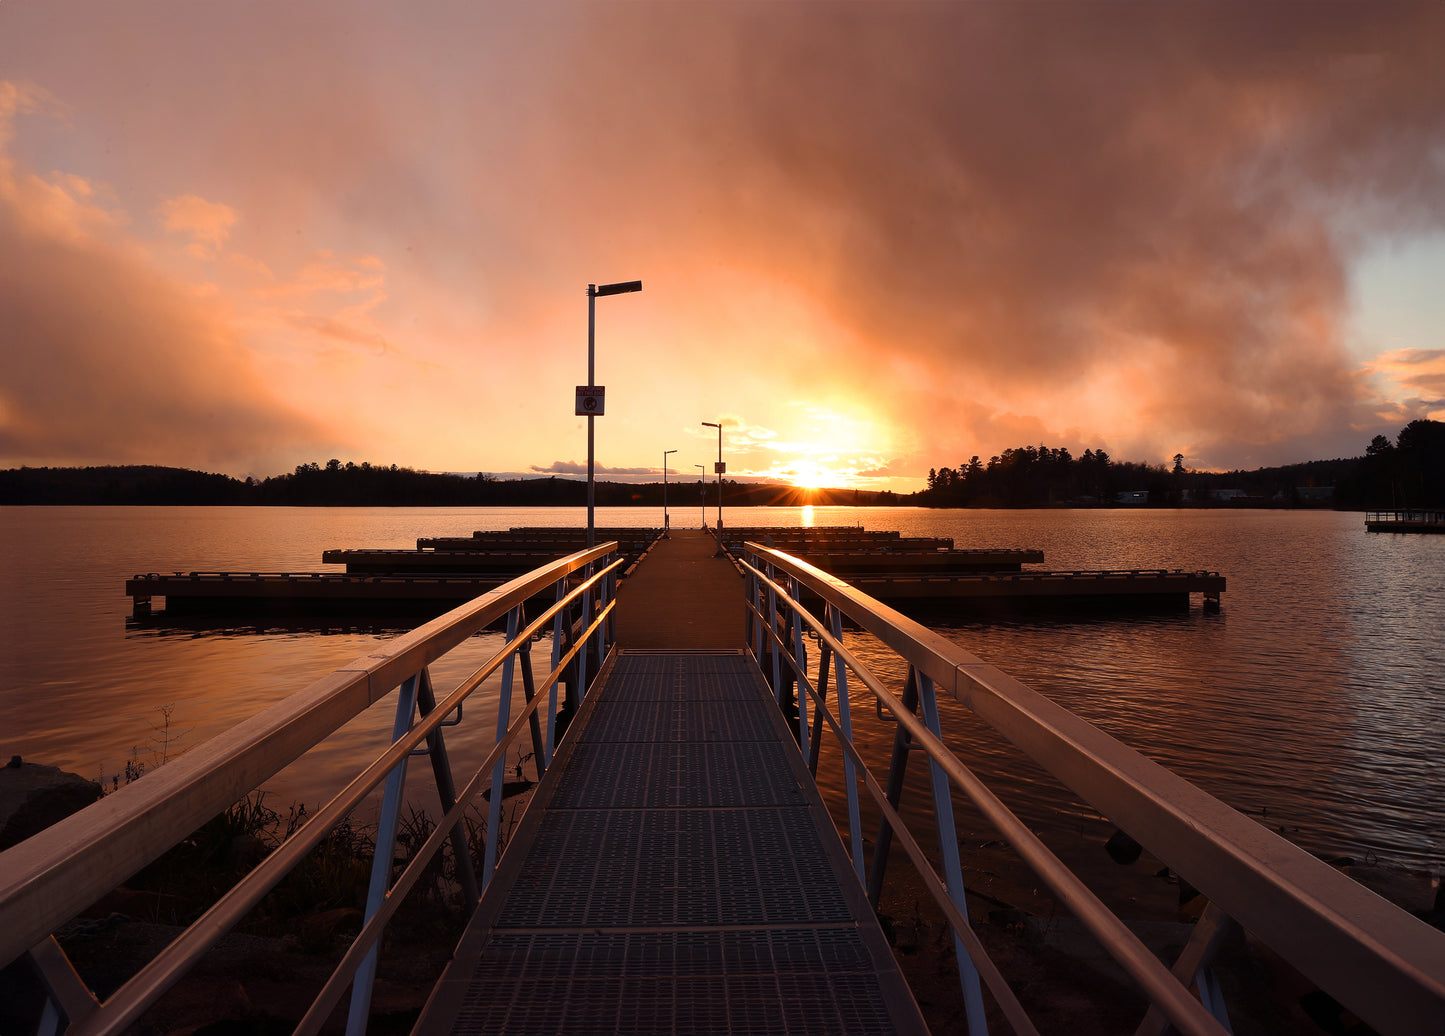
[1122,849]
[905,937]
[32,797]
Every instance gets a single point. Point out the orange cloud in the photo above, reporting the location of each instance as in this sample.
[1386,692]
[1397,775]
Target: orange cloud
[207,223]
[106,359]
[1017,200]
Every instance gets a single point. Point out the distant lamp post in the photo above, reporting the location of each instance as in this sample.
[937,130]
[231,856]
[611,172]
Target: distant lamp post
[702,491]
[721,467]
[590,396]
[665,523]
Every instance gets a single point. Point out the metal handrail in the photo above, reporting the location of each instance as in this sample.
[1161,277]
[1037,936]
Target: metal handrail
[1382,963]
[49,878]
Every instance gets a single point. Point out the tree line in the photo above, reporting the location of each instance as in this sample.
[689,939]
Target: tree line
[1404,474]
[1408,473]
[337,484]
[1030,476]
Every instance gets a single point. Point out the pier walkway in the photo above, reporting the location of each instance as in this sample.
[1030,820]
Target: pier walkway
[678,874]
[678,871]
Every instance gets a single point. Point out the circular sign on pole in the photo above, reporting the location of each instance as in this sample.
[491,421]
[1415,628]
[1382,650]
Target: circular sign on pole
[590,399]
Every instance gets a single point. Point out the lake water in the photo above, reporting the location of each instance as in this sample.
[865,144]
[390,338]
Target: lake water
[1315,698]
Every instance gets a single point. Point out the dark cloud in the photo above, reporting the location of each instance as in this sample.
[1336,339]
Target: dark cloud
[572,467]
[1035,195]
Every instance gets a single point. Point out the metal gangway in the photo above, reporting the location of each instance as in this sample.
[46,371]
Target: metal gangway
[1379,962]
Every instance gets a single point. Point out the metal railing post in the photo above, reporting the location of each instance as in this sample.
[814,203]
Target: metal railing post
[952,865]
[772,635]
[582,632]
[447,794]
[757,619]
[603,596]
[381,862]
[845,721]
[902,744]
[800,655]
[552,687]
[815,741]
[529,691]
[68,997]
[499,770]
[749,625]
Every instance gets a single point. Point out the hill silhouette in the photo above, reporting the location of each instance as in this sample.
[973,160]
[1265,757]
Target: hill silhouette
[335,484]
[1406,473]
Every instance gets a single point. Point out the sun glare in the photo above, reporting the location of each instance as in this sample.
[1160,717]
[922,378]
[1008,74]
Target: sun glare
[807,475]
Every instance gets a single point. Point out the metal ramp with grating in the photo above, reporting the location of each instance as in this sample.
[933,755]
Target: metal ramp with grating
[678,873]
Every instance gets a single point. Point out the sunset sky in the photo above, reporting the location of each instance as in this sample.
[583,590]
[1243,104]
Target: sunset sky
[874,237]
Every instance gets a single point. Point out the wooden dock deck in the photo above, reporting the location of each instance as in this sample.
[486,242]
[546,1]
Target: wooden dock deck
[678,871]
[1157,587]
[200,593]
[444,572]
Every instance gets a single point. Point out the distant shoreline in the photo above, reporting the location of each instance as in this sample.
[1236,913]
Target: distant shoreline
[335,484]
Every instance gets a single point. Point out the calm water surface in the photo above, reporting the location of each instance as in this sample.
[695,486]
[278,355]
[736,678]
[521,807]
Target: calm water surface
[1315,700]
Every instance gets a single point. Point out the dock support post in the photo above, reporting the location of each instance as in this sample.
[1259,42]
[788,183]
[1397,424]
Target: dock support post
[441,768]
[896,769]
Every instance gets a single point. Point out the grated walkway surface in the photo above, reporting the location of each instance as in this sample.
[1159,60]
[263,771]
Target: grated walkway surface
[678,873]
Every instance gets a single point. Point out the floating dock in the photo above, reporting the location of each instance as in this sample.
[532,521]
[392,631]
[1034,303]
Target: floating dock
[444,571]
[469,561]
[554,542]
[204,593]
[1405,521]
[1122,587]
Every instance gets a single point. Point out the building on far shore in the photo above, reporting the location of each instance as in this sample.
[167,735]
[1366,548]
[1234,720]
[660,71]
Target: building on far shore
[1315,494]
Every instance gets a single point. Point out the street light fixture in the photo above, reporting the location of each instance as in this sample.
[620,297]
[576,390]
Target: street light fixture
[590,396]
[721,467]
[665,524]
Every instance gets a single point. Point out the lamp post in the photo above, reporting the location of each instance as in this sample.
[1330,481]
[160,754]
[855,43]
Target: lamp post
[664,494]
[719,469]
[702,491]
[590,396]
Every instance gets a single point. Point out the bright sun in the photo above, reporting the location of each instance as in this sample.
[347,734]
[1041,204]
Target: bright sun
[807,475]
